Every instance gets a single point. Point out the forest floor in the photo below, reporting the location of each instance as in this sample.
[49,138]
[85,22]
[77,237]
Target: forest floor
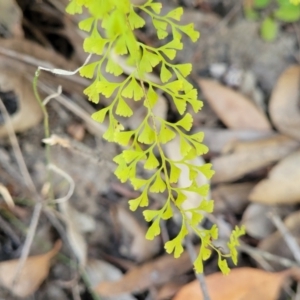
[88,244]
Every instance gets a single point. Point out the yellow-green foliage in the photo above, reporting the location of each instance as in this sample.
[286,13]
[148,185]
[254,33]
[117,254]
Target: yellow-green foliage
[273,13]
[119,19]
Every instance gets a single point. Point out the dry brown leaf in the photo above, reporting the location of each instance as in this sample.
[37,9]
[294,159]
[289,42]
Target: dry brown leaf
[32,53]
[153,273]
[19,60]
[216,138]
[284,103]
[257,222]
[76,131]
[240,284]
[25,57]
[234,109]
[140,248]
[168,290]
[11,18]
[122,263]
[231,197]
[15,82]
[98,271]
[80,157]
[282,185]
[35,271]
[247,157]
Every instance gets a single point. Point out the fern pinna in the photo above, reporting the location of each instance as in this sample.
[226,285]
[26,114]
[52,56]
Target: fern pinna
[145,143]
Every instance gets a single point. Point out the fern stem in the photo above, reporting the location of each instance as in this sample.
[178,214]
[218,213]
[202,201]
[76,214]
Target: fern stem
[46,131]
[200,276]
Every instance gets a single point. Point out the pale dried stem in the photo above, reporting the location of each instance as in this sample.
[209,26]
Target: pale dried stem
[290,241]
[53,95]
[68,178]
[297,296]
[288,238]
[297,56]
[7,166]
[4,192]
[75,291]
[37,63]
[268,256]
[5,227]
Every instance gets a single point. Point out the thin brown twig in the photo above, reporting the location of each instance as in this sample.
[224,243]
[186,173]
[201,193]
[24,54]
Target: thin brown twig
[268,256]
[79,149]
[94,127]
[39,205]
[297,32]
[290,241]
[5,163]
[37,63]
[234,10]
[75,289]
[288,238]
[29,183]
[17,151]
[29,239]
[297,295]
[5,227]
[54,216]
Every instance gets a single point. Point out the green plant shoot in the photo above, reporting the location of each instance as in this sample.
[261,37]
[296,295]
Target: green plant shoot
[119,19]
[283,11]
